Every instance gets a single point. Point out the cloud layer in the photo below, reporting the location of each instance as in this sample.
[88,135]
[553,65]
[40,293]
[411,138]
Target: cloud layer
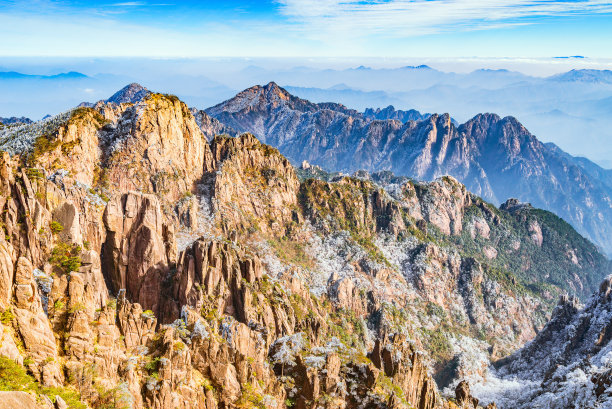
[418,17]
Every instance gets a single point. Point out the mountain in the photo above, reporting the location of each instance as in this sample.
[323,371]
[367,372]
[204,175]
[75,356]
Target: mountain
[131,93]
[11,75]
[585,75]
[391,113]
[14,120]
[144,263]
[496,158]
[594,170]
[567,365]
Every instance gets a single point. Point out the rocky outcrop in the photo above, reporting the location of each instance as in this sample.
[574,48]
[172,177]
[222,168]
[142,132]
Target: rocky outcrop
[567,364]
[131,94]
[391,113]
[156,147]
[210,126]
[135,254]
[256,187]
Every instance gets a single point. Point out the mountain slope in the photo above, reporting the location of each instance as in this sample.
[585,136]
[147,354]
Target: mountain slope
[137,266]
[568,364]
[142,262]
[496,158]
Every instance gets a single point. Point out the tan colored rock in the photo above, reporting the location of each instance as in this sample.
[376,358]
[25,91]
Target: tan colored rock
[14,400]
[135,254]
[254,183]
[489,252]
[8,347]
[536,233]
[6,274]
[67,215]
[158,148]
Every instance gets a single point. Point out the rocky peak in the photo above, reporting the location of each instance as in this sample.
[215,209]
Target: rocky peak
[570,354]
[14,120]
[267,98]
[131,93]
[391,113]
[513,204]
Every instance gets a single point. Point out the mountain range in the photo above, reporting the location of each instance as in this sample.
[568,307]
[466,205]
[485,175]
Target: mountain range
[149,261]
[496,158]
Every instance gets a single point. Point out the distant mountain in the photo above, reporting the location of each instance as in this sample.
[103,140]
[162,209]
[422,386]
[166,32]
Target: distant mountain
[131,93]
[593,76]
[11,75]
[593,169]
[210,126]
[14,120]
[496,158]
[356,98]
[391,113]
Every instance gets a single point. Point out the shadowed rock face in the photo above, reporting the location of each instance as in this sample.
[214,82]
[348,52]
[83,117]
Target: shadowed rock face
[283,293]
[496,158]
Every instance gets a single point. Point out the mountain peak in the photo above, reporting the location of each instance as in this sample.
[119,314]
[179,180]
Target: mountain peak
[131,93]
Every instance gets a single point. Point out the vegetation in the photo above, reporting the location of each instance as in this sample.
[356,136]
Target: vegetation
[7,316]
[14,377]
[522,264]
[66,257]
[56,227]
[291,251]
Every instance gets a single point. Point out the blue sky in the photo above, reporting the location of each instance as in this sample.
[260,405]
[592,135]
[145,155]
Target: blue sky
[298,28]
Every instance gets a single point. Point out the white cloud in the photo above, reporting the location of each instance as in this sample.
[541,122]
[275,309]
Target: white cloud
[400,18]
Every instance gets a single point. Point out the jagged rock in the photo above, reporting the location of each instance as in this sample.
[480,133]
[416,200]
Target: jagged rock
[255,182]
[67,215]
[60,403]
[131,93]
[290,286]
[463,396]
[399,361]
[134,253]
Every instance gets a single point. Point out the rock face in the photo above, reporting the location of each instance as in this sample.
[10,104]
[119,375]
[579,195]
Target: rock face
[210,126]
[134,254]
[283,292]
[496,158]
[567,365]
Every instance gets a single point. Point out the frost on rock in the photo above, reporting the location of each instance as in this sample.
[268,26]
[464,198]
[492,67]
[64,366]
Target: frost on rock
[285,349]
[567,365]
[44,283]
[332,256]
[205,220]
[20,138]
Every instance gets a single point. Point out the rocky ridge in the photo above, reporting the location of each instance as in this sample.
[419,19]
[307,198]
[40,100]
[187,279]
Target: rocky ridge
[567,365]
[496,158]
[143,266]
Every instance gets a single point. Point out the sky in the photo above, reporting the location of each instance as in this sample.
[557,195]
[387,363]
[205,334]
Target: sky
[298,28]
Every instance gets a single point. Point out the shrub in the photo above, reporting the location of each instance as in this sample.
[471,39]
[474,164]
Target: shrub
[56,227]
[7,316]
[66,257]
[14,377]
